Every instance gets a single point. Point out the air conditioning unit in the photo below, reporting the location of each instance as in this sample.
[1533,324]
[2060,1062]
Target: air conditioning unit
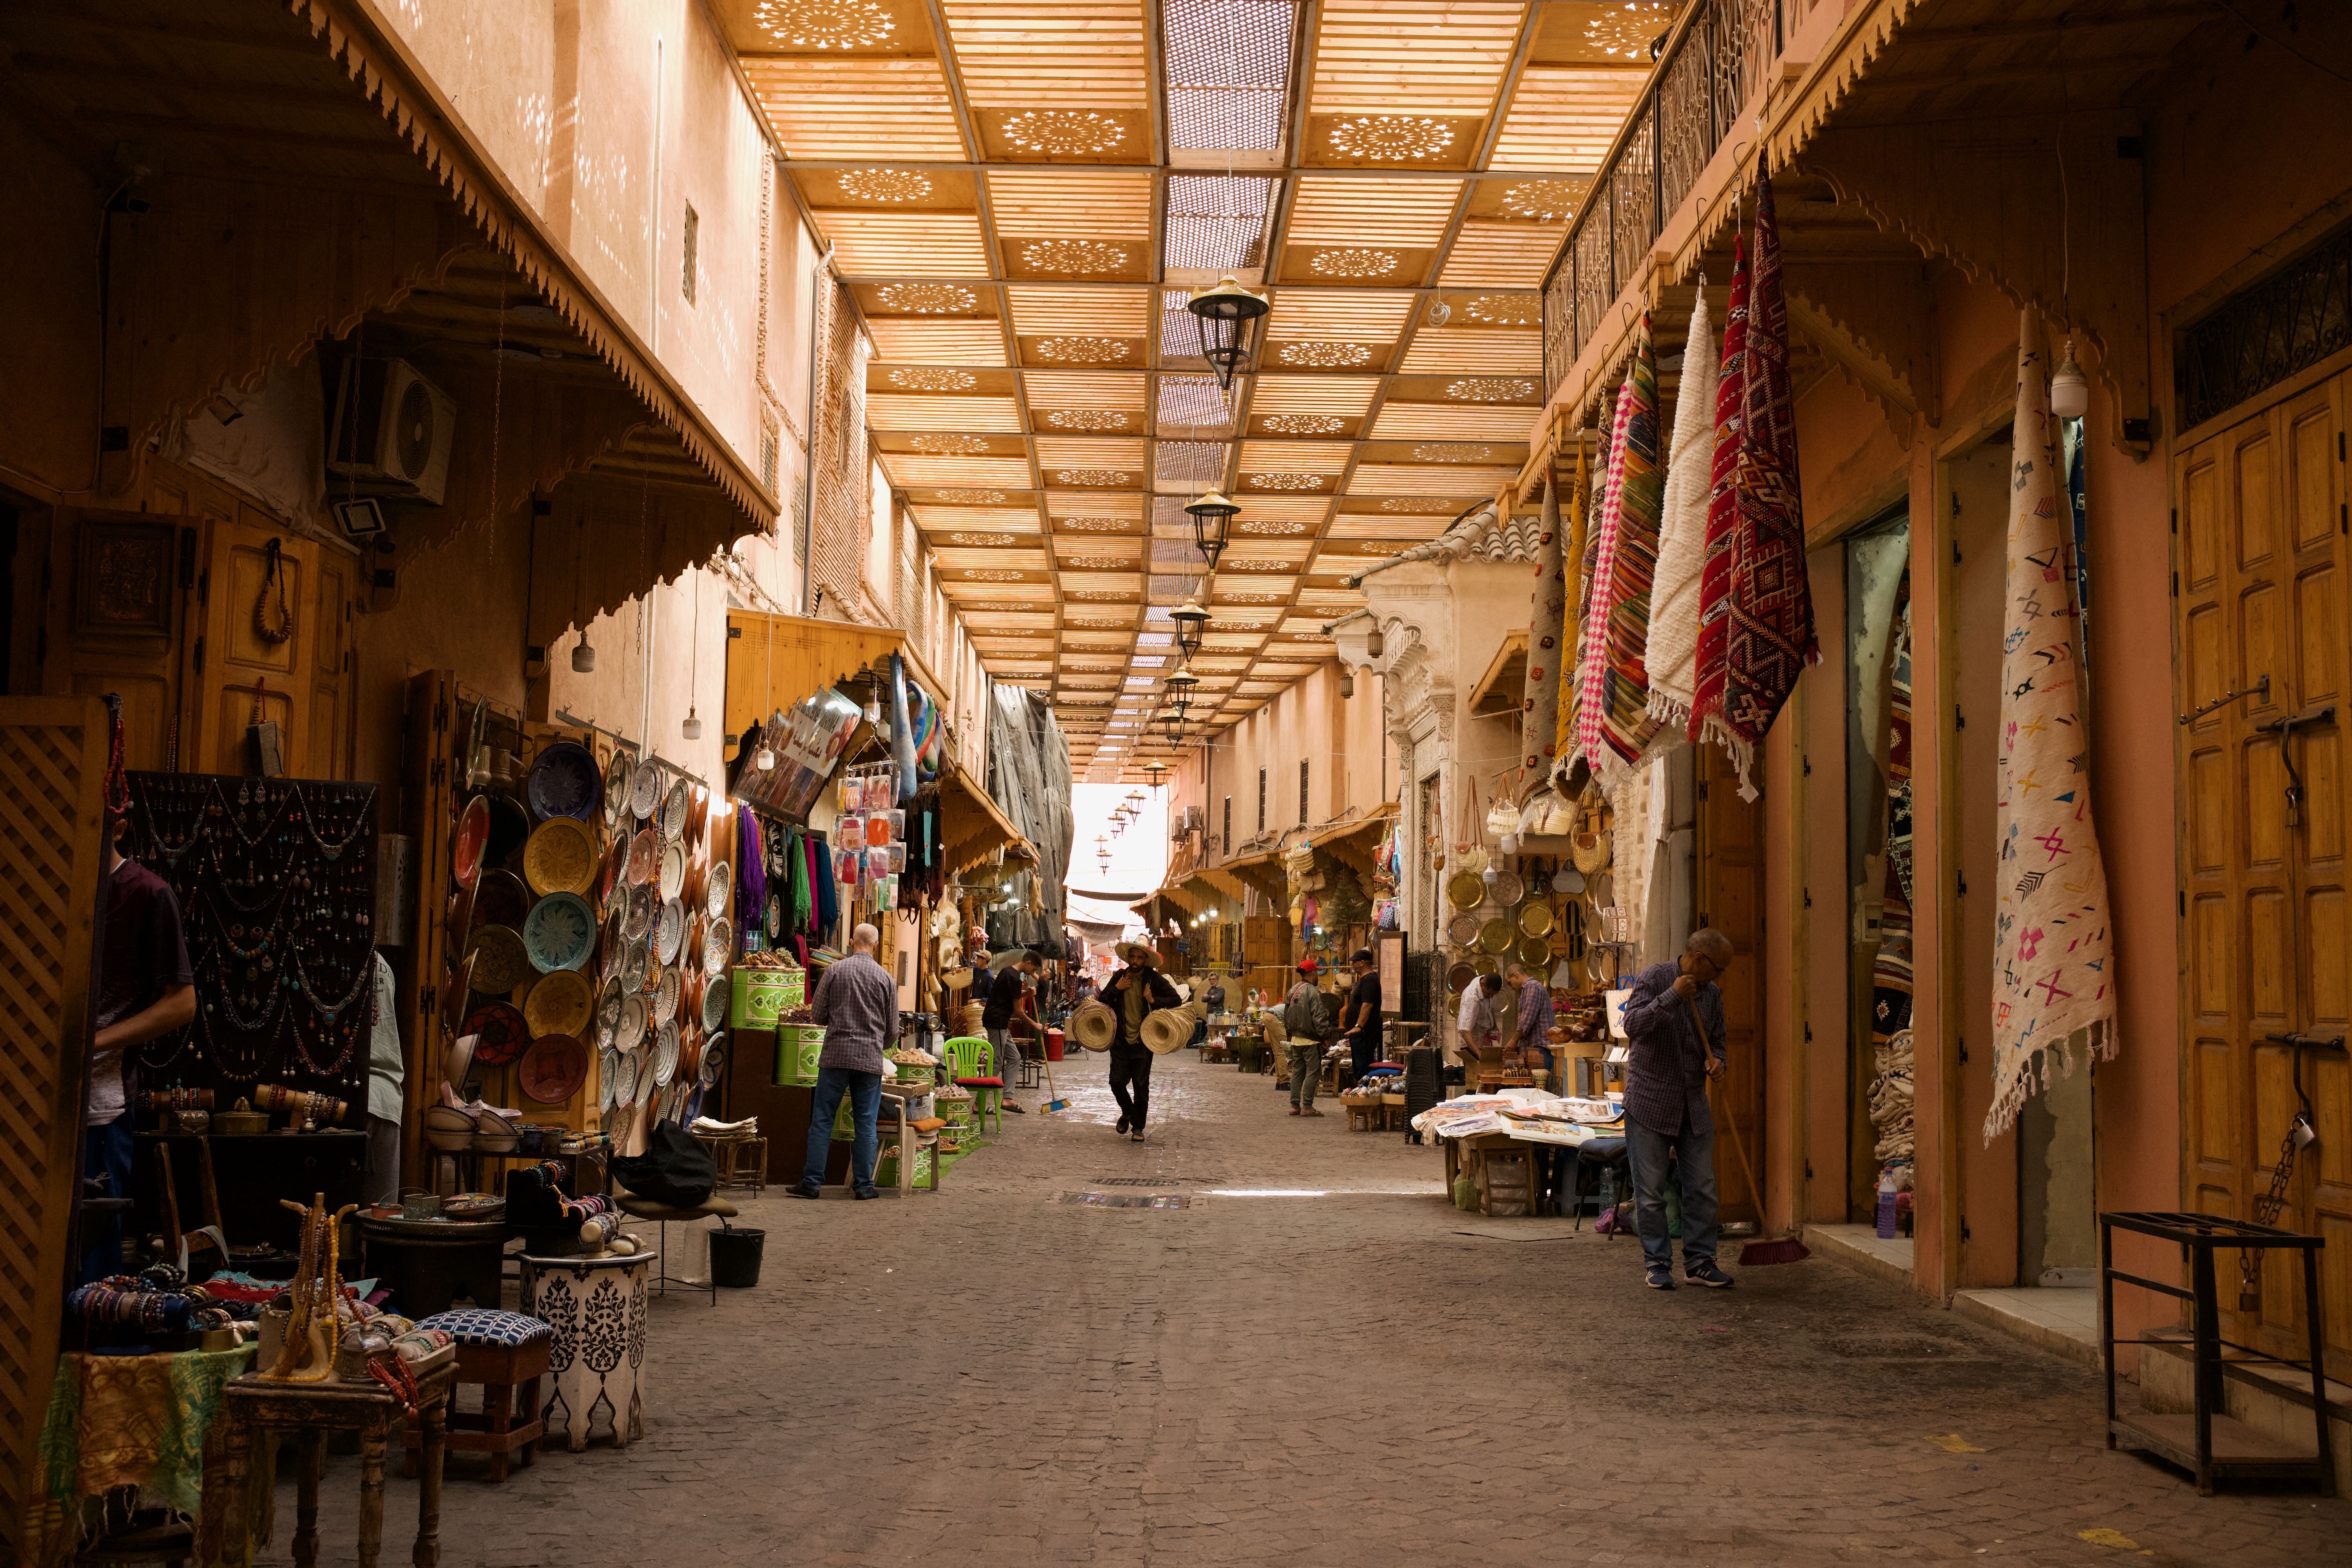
[392,431]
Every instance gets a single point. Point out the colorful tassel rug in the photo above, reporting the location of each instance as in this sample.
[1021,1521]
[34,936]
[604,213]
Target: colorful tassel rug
[2053,949]
[1682,535]
[1722,513]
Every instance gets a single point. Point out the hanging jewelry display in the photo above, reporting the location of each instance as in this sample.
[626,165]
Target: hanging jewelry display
[275,882]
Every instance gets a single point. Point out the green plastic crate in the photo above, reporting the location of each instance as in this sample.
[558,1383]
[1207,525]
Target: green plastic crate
[761,995]
[798,1046]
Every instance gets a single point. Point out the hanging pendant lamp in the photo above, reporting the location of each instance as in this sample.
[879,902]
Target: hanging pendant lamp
[1229,315]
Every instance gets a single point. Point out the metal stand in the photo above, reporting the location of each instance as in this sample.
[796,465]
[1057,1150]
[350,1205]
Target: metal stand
[2209,1443]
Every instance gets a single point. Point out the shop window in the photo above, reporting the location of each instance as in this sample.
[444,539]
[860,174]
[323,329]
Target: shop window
[2267,331]
[693,227]
[768,458]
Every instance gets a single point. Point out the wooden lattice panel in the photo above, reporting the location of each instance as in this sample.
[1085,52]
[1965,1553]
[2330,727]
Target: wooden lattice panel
[52,767]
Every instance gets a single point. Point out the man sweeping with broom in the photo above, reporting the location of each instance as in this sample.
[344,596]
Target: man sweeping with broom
[1668,1064]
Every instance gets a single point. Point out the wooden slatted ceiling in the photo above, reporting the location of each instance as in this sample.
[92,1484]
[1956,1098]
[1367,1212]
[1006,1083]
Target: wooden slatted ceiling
[1033,390]
[1013,54]
[1411,57]
[832,107]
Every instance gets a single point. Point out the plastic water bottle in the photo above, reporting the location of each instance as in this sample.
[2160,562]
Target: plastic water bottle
[1886,1206]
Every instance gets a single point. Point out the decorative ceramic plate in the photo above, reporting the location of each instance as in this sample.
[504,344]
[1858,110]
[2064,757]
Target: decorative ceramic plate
[616,788]
[692,893]
[510,825]
[672,877]
[608,1005]
[500,899]
[670,931]
[644,790]
[644,858]
[562,1003]
[718,887]
[456,984]
[1462,930]
[632,1032]
[665,1053]
[608,875]
[1535,920]
[1465,890]
[460,916]
[714,1060]
[665,997]
[714,1006]
[563,781]
[554,1070]
[634,967]
[472,838]
[697,818]
[1494,936]
[561,857]
[500,1034]
[500,961]
[608,1077]
[560,930]
[675,807]
[613,947]
[1508,889]
[644,909]
[718,946]
[625,1080]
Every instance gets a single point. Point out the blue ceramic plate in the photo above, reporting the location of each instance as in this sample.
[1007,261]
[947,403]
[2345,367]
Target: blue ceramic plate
[560,932]
[564,782]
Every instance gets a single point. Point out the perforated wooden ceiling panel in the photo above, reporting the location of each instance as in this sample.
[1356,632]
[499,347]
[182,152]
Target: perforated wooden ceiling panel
[1023,197]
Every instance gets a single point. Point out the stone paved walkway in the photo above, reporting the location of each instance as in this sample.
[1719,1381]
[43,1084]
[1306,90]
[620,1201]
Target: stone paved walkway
[1318,1362]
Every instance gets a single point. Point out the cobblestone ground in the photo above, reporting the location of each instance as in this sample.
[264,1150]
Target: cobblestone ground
[1318,1362]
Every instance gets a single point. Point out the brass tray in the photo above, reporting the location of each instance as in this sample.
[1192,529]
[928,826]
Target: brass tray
[1465,890]
[1494,936]
[1462,930]
[1535,919]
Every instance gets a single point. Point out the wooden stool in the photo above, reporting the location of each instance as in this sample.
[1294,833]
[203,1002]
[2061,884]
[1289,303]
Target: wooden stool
[312,1410]
[500,1370]
[741,1162]
[1363,1115]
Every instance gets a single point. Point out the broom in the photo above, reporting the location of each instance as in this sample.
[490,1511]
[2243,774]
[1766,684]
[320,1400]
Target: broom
[1766,1251]
[1057,1102]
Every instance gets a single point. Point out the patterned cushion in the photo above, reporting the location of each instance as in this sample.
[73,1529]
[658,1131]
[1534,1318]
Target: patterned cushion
[980,1082]
[484,1326]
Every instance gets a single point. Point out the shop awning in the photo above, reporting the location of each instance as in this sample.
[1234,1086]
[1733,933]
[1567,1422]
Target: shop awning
[971,824]
[1502,688]
[1350,839]
[773,661]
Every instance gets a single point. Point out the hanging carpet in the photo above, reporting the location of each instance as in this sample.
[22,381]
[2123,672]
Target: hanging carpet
[2053,949]
[1539,707]
[1722,510]
[1682,535]
[1614,724]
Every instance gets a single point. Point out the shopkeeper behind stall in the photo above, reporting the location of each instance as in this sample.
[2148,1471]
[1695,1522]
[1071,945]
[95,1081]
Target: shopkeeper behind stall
[1533,1039]
[146,989]
[1363,1023]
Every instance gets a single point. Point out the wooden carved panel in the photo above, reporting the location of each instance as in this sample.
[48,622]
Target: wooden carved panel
[124,572]
[52,769]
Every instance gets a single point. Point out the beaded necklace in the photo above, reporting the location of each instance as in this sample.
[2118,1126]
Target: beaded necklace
[359,821]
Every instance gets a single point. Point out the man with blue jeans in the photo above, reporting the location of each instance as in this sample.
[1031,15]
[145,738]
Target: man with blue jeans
[857,1003]
[1669,1061]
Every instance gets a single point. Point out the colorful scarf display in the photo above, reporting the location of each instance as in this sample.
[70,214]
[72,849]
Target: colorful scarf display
[1615,724]
[1722,511]
[1682,535]
[2053,949]
[1770,634]
[1571,557]
[1599,550]
[1539,708]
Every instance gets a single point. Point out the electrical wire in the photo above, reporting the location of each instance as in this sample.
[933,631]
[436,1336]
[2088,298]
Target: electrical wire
[2231,7]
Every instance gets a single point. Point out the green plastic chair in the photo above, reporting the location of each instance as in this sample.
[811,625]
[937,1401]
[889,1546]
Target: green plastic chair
[970,1061]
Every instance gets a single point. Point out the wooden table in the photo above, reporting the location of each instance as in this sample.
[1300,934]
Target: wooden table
[312,1410]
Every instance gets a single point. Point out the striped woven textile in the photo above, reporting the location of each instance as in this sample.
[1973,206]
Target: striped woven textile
[1722,510]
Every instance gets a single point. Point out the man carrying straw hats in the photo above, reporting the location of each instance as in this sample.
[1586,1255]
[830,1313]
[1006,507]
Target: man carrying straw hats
[1134,994]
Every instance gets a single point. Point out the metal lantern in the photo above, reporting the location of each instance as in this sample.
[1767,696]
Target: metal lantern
[1229,315]
[1192,625]
[1213,515]
[1155,772]
[1182,684]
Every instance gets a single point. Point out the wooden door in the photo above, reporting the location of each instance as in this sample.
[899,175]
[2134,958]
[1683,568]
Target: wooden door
[1730,871]
[121,592]
[2260,591]
[254,566]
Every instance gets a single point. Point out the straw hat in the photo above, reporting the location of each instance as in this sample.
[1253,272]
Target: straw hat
[1170,1029]
[1093,1026]
[1137,953]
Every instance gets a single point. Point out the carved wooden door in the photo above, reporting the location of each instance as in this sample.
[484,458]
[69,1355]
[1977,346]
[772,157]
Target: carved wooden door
[1731,899]
[2266,946]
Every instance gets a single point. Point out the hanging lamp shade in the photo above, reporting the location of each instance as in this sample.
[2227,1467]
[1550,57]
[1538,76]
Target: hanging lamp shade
[1192,625]
[1212,517]
[1229,315]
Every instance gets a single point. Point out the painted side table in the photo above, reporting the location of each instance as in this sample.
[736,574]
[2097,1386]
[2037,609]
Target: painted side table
[597,1307]
[312,1410]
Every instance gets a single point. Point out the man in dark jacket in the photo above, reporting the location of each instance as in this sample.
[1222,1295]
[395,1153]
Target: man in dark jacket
[1673,1026]
[1135,992]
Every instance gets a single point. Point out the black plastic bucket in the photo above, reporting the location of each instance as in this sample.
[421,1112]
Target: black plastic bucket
[735,1257]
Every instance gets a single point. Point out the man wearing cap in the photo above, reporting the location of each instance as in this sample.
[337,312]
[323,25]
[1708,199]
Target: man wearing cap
[1134,994]
[1307,1020]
